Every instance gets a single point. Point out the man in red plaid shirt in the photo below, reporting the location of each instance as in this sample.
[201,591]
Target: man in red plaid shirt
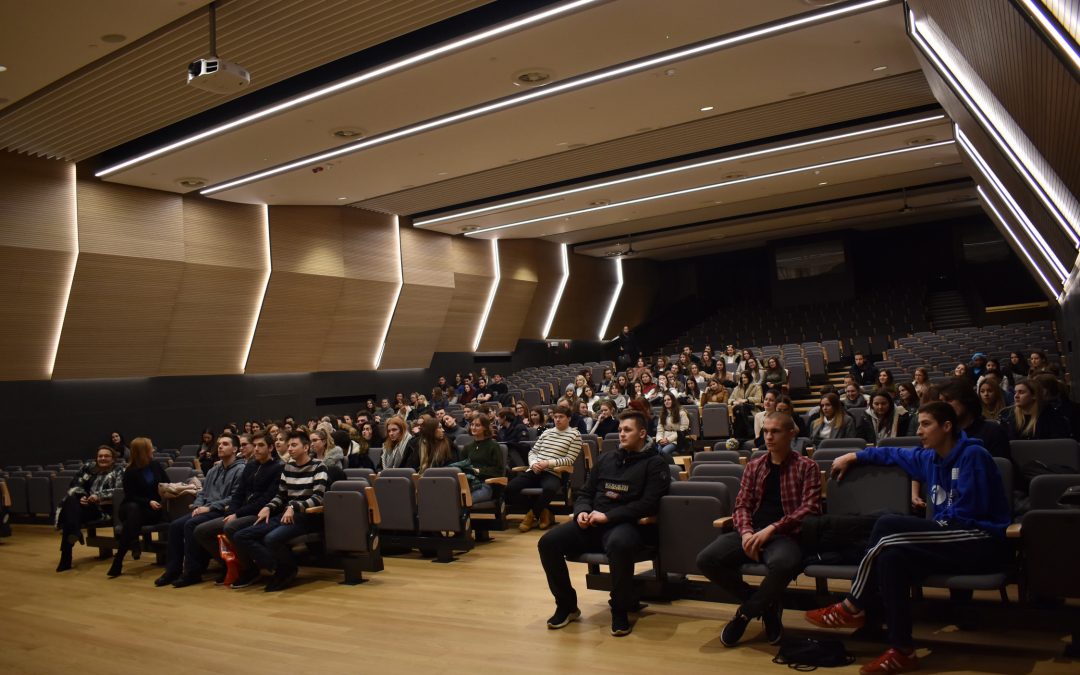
[778,490]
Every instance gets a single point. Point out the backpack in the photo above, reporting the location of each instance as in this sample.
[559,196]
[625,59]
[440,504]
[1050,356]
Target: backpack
[805,654]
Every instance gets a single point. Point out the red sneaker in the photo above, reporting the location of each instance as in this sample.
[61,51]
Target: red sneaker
[835,616]
[892,661]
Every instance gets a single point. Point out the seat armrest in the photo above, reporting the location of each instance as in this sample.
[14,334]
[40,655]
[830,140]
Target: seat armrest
[519,469]
[684,475]
[497,481]
[372,506]
[314,509]
[726,523]
[684,460]
[647,520]
[562,469]
[466,493]
[1013,531]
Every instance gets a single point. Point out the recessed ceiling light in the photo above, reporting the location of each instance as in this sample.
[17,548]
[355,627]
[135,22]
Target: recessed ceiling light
[191,182]
[600,202]
[797,93]
[341,199]
[920,140]
[718,236]
[441,173]
[113,37]
[532,77]
[706,108]
[824,182]
[348,132]
[734,175]
[470,228]
[670,72]
[3,68]
[880,68]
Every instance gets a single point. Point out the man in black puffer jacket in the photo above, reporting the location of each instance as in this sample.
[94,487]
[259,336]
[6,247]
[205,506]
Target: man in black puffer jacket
[623,487]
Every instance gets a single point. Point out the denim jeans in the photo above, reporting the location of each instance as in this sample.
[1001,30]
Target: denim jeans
[267,544]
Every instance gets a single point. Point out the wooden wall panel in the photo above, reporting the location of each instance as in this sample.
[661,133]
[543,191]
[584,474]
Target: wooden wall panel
[548,269]
[37,252]
[472,264]
[641,286]
[131,263]
[586,298]
[425,298]
[221,288]
[517,285]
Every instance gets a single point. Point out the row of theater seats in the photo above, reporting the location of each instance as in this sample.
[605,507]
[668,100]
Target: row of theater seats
[940,352]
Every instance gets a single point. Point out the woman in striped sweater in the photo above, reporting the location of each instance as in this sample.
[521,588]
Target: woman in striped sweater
[556,447]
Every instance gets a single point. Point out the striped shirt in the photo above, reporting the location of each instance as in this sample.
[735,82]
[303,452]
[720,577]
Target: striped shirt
[301,487]
[559,448]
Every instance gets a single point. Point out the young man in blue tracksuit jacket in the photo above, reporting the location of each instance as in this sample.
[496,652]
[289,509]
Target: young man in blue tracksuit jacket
[966,535]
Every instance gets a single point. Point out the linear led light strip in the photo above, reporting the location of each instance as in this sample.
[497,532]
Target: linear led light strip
[1037,11]
[614,299]
[711,186]
[679,169]
[969,92]
[1033,232]
[366,76]
[1005,225]
[74,263]
[262,295]
[558,294]
[491,295]
[397,296]
[552,89]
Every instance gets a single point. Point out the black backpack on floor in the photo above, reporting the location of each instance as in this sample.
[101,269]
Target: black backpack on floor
[805,654]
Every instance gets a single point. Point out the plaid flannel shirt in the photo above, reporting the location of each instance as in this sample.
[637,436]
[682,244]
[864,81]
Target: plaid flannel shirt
[800,493]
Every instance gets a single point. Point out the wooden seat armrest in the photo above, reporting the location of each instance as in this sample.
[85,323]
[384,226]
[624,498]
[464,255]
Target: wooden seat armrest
[586,453]
[466,493]
[519,469]
[6,494]
[1013,531]
[684,460]
[647,520]
[372,506]
[684,475]
[502,480]
[562,469]
[314,509]
[743,460]
[725,523]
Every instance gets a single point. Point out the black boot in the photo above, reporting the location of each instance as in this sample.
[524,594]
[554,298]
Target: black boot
[65,557]
[117,567]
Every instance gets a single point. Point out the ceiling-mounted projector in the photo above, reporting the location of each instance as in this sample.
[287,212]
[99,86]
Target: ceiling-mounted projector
[217,75]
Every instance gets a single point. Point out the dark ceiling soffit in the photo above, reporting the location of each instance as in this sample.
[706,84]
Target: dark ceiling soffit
[453,28]
[790,210]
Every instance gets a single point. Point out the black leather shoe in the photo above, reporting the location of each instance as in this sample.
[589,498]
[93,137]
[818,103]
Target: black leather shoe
[65,560]
[165,579]
[185,581]
[774,627]
[733,631]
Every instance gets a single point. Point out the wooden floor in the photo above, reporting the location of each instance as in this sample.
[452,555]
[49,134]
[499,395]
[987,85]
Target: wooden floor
[482,613]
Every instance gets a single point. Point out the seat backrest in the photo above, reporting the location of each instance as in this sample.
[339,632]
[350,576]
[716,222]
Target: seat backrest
[1061,451]
[1051,549]
[462,440]
[829,454]
[717,456]
[361,474]
[609,444]
[716,469]
[39,494]
[1005,468]
[900,442]
[397,500]
[347,518]
[179,474]
[715,422]
[438,501]
[1045,491]
[686,520]
[849,443]
[399,472]
[867,489]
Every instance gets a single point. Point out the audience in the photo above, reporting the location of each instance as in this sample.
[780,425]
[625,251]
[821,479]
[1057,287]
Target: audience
[481,459]
[142,504]
[833,422]
[556,447]
[672,428]
[89,498]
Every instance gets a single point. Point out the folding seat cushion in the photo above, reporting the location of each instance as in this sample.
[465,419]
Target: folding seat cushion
[396,493]
[685,523]
[349,516]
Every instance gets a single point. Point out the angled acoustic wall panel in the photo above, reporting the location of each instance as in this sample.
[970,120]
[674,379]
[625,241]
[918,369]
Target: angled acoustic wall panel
[518,282]
[546,262]
[424,301]
[38,245]
[585,299]
[473,267]
[641,285]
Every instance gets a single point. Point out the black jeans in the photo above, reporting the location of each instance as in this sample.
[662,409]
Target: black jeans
[548,482]
[903,551]
[133,516]
[267,544]
[620,543]
[720,562]
[207,536]
[184,552]
[73,515]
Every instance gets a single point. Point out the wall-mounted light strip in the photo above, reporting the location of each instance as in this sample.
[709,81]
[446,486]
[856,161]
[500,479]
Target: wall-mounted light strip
[366,76]
[578,82]
[1052,29]
[397,295]
[679,169]
[1018,213]
[262,294]
[1023,249]
[711,186]
[614,299]
[997,124]
[491,294]
[558,294]
[74,202]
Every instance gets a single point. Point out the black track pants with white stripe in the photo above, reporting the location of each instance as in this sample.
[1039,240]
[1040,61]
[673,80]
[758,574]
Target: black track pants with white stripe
[904,550]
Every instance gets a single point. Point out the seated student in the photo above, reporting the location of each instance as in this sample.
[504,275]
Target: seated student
[853,398]
[438,398]
[1060,415]
[769,402]
[1027,419]
[325,450]
[778,490]
[513,432]
[185,559]
[862,371]
[257,486]
[119,448]
[1040,364]
[624,486]
[885,382]
[886,420]
[775,376]
[434,448]
[966,535]
[360,457]
[606,422]
[992,397]
[962,397]
[142,505]
[555,447]
[715,392]
[673,423]
[301,487]
[744,401]
[786,406]
[606,381]
[690,394]
[89,498]
[833,421]
[584,419]
[482,459]
[616,396]
[398,447]
[537,420]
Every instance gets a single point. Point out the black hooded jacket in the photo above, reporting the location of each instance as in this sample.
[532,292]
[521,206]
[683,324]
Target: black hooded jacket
[625,485]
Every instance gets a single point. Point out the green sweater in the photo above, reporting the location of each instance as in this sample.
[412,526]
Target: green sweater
[486,456]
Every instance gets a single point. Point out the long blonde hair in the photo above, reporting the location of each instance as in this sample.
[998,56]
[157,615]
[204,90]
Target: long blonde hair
[1025,430]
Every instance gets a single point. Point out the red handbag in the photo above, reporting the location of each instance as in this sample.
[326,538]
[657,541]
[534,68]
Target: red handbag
[228,556]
